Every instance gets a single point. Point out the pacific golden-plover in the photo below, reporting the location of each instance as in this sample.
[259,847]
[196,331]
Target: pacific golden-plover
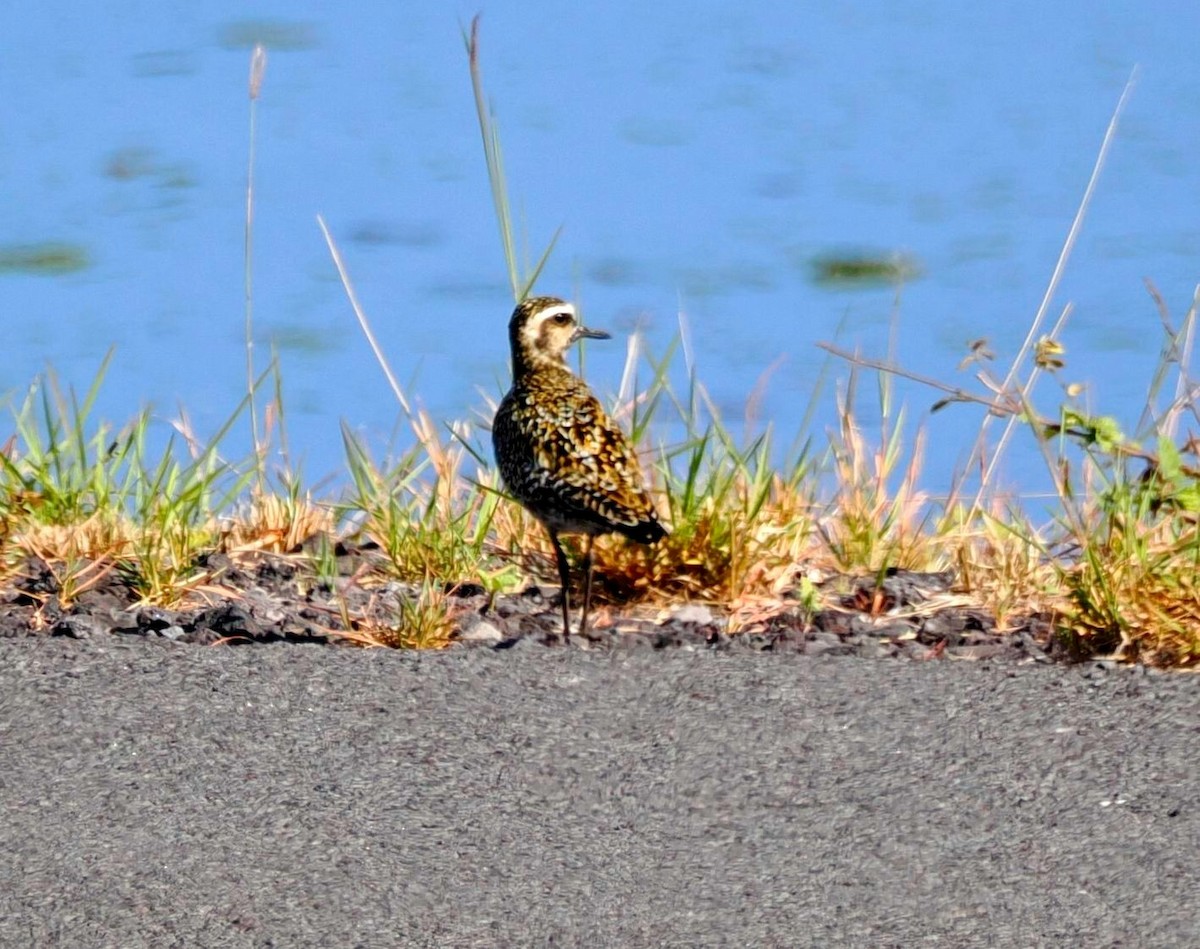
[560,455]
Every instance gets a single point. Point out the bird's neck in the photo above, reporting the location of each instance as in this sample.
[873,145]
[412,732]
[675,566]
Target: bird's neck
[526,363]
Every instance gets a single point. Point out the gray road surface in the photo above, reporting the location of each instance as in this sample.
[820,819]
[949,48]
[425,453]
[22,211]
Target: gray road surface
[287,796]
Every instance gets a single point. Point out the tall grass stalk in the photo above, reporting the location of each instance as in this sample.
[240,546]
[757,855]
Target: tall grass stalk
[1044,307]
[1176,351]
[494,158]
[444,457]
[258,68]
[360,314]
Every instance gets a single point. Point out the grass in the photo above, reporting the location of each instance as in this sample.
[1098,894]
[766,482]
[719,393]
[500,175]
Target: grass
[756,532]
[1116,575]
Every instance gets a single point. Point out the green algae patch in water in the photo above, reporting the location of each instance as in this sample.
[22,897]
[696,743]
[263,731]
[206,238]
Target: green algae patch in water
[864,270]
[302,340]
[49,258]
[135,162]
[165,62]
[128,164]
[275,35]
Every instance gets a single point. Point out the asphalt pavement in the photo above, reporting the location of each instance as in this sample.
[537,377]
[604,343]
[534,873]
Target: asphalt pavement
[166,795]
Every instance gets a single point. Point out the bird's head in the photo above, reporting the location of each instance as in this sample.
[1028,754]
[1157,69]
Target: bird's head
[543,328]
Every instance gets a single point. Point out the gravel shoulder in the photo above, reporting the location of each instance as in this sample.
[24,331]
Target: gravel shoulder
[161,794]
[268,598]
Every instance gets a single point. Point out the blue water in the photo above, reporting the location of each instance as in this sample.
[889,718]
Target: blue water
[697,158]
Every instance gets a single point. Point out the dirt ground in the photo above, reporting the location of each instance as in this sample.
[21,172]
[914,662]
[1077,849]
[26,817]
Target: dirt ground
[267,598]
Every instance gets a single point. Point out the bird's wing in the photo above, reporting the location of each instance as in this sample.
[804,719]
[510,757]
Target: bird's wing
[584,463]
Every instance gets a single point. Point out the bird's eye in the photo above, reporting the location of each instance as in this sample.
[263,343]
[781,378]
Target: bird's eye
[562,319]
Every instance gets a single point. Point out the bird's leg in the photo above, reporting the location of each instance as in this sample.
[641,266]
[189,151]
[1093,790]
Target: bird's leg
[564,574]
[587,584]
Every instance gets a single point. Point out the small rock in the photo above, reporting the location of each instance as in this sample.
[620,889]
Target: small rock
[692,613]
[872,649]
[153,619]
[77,627]
[1034,649]
[272,569]
[99,602]
[862,627]
[481,632]
[518,643]
[635,641]
[978,638]
[833,621]
[898,629]
[126,621]
[908,587]
[977,651]
[943,627]
[227,620]
[818,647]
[915,650]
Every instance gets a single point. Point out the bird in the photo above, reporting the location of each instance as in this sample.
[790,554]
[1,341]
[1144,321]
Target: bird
[560,454]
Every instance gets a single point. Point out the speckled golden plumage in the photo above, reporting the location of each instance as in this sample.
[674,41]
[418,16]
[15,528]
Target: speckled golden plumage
[559,453]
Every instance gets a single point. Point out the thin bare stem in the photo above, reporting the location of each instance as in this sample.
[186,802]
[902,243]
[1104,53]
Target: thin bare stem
[1052,288]
[258,67]
[1025,395]
[955,394]
[362,318]
[1009,404]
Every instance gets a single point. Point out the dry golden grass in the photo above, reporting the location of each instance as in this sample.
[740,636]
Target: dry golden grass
[748,533]
[1136,595]
[276,523]
[426,622]
[1000,563]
